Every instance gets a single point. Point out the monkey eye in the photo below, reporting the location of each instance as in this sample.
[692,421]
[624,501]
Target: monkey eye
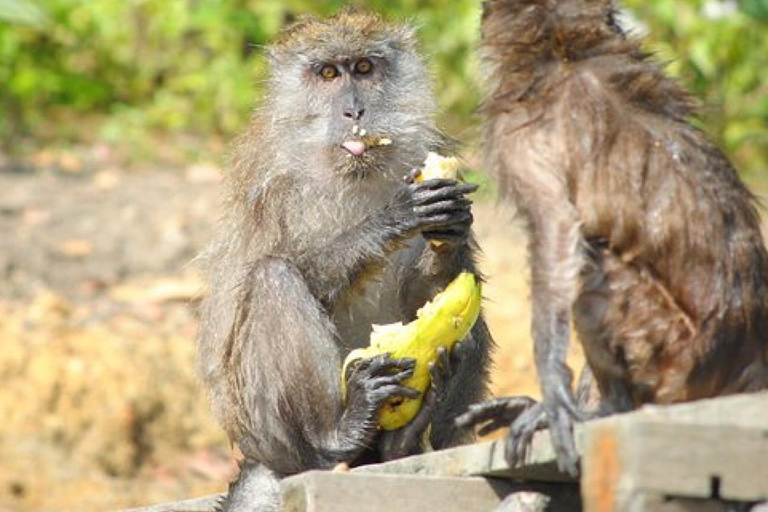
[328,72]
[363,66]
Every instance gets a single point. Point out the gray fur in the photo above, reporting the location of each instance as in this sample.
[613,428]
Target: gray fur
[316,245]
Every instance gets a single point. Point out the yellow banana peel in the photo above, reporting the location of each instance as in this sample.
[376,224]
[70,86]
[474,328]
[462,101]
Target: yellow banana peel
[441,322]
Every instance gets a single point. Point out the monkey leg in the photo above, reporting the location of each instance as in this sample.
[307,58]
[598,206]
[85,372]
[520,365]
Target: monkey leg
[284,385]
[256,489]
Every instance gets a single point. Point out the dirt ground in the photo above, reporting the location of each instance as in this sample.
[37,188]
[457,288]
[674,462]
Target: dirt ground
[100,403]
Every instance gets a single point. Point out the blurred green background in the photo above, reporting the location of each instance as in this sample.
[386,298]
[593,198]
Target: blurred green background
[132,72]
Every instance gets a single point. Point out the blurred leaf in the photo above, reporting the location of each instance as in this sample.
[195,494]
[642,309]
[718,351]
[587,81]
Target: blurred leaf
[22,12]
[138,69]
[758,9]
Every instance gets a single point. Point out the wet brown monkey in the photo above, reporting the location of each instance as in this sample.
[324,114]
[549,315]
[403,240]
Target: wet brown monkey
[321,239]
[641,231]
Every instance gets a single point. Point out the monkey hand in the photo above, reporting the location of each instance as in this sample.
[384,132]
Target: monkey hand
[441,322]
[437,208]
[373,381]
[409,440]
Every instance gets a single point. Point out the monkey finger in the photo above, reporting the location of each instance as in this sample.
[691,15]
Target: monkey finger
[491,427]
[457,352]
[435,375]
[444,221]
[484,411]
[518,445]
[423,195]
[388,380]
[443,358]
[441,183]
[412,175]
[455,230]
[386,365]
[561,431]
[444,206]
[395,390]
[437,183]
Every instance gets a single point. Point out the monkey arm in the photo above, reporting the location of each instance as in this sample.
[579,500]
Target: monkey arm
[331,269]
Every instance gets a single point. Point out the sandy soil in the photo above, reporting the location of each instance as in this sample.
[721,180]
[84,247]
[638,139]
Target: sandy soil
[100,403]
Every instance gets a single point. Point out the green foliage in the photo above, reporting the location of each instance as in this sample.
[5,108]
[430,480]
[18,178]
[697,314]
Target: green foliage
[721,54]
[22,12]
[125,71]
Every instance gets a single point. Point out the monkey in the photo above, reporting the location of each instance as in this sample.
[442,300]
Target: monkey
[321,238]
[641,233]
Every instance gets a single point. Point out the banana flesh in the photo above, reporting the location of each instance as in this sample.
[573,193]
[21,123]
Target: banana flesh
[438,166]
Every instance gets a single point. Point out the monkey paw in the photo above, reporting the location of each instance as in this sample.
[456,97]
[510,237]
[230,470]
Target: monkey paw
[495,413]
[374,380]
[442,369]
[524,416]
[437,208]
[561,413]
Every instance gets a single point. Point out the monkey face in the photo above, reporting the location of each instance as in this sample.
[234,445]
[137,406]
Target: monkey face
[356,90]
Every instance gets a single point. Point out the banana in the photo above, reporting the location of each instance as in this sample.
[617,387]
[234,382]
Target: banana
[441,322]
[438,166]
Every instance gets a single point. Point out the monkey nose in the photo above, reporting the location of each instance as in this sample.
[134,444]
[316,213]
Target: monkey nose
[354,113]
[355,147]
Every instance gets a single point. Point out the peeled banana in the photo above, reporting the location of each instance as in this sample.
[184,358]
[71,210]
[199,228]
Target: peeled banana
[441,322]
[438,166]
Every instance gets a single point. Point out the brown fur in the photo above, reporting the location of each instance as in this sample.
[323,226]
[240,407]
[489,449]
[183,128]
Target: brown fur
[639,226]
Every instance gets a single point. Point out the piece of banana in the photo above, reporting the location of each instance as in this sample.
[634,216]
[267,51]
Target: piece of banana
[437,166]
[441,322]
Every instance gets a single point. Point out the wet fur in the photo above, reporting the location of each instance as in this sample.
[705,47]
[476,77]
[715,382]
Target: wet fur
[640,228]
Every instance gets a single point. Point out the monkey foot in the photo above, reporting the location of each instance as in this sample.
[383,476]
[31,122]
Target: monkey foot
[495,413]
[523,415]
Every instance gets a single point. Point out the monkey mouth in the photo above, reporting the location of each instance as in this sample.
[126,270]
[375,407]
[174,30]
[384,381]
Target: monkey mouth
[361,141]
[355,147]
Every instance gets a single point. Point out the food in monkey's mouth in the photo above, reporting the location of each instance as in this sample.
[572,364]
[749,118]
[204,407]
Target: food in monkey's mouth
[362,141]
[441,322]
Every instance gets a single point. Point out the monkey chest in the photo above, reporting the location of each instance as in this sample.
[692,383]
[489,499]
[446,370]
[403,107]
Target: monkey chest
[375,301]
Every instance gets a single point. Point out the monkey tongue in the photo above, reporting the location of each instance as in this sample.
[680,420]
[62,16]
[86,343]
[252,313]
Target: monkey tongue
[355,147]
